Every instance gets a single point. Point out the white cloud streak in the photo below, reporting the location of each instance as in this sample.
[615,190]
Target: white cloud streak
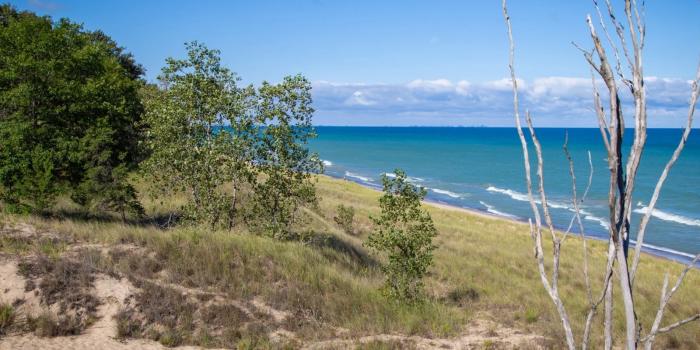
[553,101]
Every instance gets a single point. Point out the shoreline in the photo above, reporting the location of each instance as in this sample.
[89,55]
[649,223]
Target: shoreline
[659,252]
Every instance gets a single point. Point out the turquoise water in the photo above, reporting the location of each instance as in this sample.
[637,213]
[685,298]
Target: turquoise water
[481,168]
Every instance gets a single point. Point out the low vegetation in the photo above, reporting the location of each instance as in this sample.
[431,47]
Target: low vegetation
[329,286]
[7,317]
[344,218]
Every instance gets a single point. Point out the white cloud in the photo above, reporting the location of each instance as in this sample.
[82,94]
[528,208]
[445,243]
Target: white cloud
[554,87]
[431,85]
[359,98]
[553,101]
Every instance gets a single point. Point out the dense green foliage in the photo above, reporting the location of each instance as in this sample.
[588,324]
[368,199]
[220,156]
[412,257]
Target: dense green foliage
[210,139]
[69,115]
[284,114]
[345,217]
[405,233]
[190,152]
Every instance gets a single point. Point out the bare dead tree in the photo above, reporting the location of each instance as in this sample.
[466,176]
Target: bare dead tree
[621,182]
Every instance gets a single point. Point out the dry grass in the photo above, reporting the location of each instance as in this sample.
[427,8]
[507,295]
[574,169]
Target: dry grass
[484,267]
[494,259]
[7,317]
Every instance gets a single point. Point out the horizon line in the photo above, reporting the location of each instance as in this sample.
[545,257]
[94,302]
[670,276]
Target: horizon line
[486,126]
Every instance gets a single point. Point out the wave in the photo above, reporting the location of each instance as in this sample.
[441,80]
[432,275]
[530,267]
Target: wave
[667,216]
[327,162]
[552,204]
[446,192]
[408,178]
[599,220]
[666,250]
[524,198]
[358,177]
[491,209]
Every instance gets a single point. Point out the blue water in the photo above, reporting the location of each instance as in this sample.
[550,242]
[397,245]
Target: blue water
[481,168]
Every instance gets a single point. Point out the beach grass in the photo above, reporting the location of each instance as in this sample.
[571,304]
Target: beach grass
[484,268]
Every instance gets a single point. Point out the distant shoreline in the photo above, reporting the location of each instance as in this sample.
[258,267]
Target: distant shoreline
[656,252]
[485,127]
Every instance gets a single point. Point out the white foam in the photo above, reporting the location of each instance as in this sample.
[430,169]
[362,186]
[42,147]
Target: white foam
[408,178]
[512,194]
[599,220]
[327,162]
[667,216]
[358,177]
[662,249]
[446,192]
[523,197]
[491,209]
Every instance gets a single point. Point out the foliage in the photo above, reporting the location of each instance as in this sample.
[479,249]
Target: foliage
[200,135]
[405,233]
[69,115]
[7,317]
[284,114]
[344,218]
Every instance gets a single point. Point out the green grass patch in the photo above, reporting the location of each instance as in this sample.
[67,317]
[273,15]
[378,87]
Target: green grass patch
[484,267]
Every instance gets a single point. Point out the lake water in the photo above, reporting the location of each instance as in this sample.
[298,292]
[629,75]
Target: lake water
[481,168]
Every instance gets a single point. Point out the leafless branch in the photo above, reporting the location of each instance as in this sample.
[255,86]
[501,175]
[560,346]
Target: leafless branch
[663,303]
[536,231]
[618,65]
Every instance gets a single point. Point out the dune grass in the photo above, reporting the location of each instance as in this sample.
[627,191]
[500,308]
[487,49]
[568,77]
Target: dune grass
[484,268]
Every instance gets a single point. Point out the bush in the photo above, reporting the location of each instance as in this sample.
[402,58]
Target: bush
[7,317]
[49,324]
[405,233]
[344,218]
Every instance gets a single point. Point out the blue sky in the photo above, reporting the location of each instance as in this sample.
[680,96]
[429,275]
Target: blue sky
[404,62]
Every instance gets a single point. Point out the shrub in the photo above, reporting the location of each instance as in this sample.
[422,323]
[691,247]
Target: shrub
[345,218]
[7,317]
[404,232]
[49,324]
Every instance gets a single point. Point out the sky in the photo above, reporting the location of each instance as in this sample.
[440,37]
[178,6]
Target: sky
[410,62]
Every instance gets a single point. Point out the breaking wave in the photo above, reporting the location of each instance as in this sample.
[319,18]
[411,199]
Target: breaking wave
[667,216]
[491,209]
[446,193]
[357,177]
[523,197]
[408,178]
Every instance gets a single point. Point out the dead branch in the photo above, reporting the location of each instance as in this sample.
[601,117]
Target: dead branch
[663,303]
[536,231]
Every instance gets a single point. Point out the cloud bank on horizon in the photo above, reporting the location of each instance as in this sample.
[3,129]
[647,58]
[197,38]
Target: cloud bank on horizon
[552,101]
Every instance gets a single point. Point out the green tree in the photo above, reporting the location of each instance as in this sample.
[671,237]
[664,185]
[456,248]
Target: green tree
[285,163]
[404,232]
[201,135]
[69,115]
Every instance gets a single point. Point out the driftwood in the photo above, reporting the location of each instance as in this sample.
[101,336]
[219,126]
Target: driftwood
[621,182]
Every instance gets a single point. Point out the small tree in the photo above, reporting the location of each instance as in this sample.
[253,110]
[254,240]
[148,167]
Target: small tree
[283,159]
[201,135]
[345,218]
[405,233]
